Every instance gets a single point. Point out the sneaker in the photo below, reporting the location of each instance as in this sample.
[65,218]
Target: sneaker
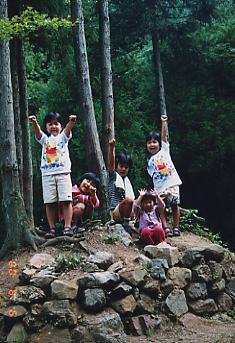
[176,231]
[68,231]
[50,234]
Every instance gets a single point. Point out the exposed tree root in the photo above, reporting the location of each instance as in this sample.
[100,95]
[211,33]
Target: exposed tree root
[54,241]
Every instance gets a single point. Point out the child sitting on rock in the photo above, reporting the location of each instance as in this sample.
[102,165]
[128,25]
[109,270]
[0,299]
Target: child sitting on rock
[150,226]
[85,199]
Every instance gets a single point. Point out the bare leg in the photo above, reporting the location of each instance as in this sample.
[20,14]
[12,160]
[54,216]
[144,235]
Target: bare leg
[52,214]
[175,215]
[78,211]
[162,216]
[125,208]
[68,212]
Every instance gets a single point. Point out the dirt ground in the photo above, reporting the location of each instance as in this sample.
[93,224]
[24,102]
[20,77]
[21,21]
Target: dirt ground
[189,329]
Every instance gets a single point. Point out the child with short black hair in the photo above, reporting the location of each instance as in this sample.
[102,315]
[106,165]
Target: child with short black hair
[121,194]
[147,212]
[85,199]
[55,168]
[164,175]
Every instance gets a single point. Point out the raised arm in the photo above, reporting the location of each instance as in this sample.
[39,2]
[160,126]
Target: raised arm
[112,155]
[159,200]
[36,126]
[70,124]
[142,192]
[164,133]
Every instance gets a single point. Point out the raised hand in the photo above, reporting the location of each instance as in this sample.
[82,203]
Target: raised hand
[154,193]
[112,142]
[164,117]
[142,192]
[73,117]
[32,118]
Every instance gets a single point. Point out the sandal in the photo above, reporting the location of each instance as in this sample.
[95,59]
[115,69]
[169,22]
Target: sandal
[176,231]
[68,231]
[168,232]
[78,230]
[50,234]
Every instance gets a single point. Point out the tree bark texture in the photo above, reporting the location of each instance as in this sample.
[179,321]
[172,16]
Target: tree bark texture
[94,152]
[16,107]
[26,143]
[106,77]
[16,223]
[158,71]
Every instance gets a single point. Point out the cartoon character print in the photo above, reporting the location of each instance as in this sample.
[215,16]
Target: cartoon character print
[163,170]
[54,155]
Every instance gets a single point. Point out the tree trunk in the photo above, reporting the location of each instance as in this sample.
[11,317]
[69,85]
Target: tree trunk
[26,143]
[106,78]
[94,153]
[158,71]
[16,107]
[16,222]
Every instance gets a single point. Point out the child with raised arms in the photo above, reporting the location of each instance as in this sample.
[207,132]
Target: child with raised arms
[55,168]
[147,208]
[120,191]
[165,178]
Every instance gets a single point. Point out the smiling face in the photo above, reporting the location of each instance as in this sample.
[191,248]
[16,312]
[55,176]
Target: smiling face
[147,205]
[85,186]
[153,146]
[122,169]
[53,127]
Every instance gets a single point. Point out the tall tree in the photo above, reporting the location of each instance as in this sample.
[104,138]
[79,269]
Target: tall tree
[17,225]
[20,101]
[158,72]
[106,77]
[94,152]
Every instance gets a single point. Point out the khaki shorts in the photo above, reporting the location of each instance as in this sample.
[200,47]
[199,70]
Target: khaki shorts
[171,196]
[56,188]
[116,216]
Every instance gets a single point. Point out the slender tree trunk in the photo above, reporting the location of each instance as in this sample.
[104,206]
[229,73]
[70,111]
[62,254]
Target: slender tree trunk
[16,107]
[158,71]
[106,77]
[94,153]
[26,143]
[15,219]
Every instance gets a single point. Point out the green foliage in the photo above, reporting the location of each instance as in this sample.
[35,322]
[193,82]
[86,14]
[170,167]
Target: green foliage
[68,262]
[148,266]
[110,238]
[188,222]
[30,21]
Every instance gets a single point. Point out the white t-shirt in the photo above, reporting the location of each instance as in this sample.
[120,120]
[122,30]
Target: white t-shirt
[162,170]
[55,154]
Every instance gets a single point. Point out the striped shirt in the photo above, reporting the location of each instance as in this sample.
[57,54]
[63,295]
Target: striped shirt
[116,195]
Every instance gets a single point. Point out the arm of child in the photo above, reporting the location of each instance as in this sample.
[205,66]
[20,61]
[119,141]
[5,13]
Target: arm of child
[70,125]
[93,197]
[142,192]
[164,133]
[36,126]
[159,200]
[112,155]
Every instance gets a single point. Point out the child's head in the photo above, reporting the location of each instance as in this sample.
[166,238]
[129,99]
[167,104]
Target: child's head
[152,143]
[123,163]
[147,202]
[86,181]
[53,123]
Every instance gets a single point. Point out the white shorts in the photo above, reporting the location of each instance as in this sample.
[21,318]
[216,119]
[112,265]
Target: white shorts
[171,196]
[57,187]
